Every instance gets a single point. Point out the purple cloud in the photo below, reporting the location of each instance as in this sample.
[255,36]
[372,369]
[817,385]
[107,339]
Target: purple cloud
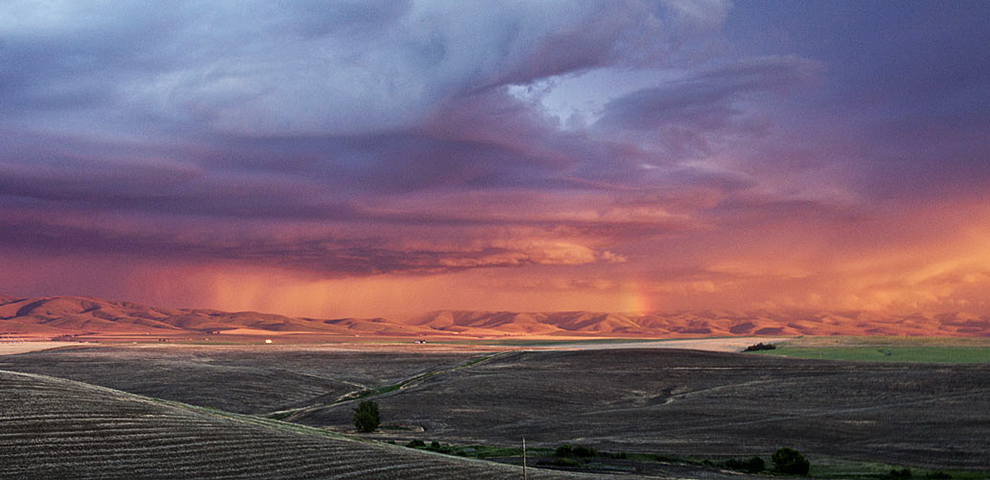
[356,138]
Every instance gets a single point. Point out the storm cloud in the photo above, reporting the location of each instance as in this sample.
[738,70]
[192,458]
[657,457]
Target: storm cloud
[635,139]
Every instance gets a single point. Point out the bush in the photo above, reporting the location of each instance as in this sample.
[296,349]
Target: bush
[438,447]
[901,474]
[760,346]
[788,460]
[366,416]
[938,475]
[564,450]
[416,443]
[752,465]
[584,452]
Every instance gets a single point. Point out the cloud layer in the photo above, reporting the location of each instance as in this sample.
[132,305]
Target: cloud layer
[531,155]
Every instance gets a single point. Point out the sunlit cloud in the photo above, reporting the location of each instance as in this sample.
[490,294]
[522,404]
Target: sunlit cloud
[389,157]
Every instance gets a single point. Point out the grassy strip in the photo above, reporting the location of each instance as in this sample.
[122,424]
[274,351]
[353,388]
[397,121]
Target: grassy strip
[885,341]
[598,461]
[887,353]
[477,450]
[843,469]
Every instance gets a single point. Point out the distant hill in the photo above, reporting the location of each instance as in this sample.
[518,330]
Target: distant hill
[59,315]
[65,314]
[704,323]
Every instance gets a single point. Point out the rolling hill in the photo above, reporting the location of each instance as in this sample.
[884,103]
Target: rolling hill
[60,315]
[55,428]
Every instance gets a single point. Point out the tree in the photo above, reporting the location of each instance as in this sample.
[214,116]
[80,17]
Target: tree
[788,460]
[366,417]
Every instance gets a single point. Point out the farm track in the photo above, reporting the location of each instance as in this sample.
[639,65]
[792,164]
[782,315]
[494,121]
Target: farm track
[56,428]
[398,386]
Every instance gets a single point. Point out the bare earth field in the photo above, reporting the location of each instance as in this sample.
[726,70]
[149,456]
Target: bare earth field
[265,378]
[53,428]
[660,401]
[242,379]
[697,403]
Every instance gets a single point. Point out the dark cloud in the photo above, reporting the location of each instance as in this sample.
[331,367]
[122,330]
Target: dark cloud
[324,254]
[903,107]
[311,67]
[688,114]
[364,137]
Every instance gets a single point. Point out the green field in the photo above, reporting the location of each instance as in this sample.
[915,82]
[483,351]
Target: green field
[844,468]
[935,354]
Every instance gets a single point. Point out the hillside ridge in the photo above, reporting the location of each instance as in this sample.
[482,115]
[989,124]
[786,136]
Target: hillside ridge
[60,315]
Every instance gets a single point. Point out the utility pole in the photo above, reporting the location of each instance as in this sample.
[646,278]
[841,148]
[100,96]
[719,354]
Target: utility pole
[525,477]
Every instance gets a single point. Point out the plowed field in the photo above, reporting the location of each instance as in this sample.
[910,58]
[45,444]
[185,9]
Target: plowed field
[53,428]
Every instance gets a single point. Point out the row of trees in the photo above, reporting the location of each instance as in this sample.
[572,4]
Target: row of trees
[785,460]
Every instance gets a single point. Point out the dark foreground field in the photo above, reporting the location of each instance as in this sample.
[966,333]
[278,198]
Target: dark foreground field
[668,402]
[54,428]
[698,403]
[242,379]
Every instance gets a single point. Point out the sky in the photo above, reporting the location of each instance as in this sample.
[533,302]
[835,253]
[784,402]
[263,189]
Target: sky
[378,157]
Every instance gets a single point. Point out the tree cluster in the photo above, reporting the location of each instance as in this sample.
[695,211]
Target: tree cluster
[760,346]
[788,460]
